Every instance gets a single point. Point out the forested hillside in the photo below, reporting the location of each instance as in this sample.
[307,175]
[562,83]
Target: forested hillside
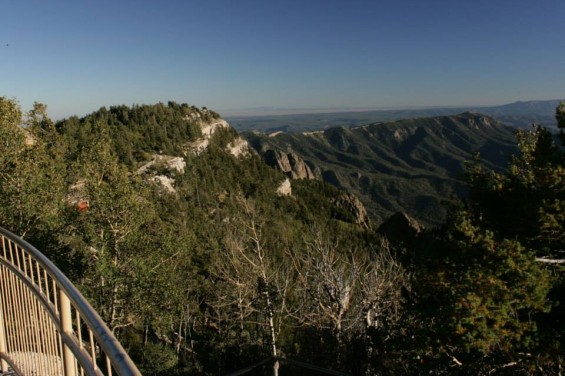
[414,166]
[215,270]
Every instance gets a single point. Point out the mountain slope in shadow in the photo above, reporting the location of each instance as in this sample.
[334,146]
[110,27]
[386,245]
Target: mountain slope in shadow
[414,165]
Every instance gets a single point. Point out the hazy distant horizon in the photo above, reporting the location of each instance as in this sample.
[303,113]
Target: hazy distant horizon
[281,111]
[275,111]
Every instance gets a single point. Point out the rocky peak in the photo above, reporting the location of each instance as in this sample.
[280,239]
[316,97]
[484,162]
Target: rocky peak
[400,228]
[352,205]
[290,164]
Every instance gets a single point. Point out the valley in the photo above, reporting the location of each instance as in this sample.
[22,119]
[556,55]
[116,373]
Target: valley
[416,166]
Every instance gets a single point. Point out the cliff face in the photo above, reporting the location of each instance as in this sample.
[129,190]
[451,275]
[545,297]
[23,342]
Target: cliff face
[160,168]
[237,147]
[351,204]
[290,164]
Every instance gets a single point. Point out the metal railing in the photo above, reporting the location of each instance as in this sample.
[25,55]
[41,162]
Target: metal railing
[46,326]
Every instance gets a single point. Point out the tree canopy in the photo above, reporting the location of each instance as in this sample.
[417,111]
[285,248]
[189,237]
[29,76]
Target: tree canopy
[222,272]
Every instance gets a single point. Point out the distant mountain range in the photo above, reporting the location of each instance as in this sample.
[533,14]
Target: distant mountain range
[524,114]
[414,166]
[517,114]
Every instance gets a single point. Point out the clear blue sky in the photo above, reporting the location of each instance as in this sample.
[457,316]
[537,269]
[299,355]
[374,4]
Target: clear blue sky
[77,56]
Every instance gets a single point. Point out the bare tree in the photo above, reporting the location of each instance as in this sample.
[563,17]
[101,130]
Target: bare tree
[328,280]
[347,291]
[253,283]
[381,283]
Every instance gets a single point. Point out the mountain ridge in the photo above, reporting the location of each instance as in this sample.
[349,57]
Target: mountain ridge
[518,114]
[411,165]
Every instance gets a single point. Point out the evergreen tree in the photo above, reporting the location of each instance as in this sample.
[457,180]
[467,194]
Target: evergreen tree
[483,285]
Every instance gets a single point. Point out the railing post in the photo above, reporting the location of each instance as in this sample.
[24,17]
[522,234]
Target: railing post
[67,326]
[56,312]
[3,364]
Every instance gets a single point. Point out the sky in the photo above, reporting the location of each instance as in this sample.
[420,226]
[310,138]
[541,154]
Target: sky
[233,55]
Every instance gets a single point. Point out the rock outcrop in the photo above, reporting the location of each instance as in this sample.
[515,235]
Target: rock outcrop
[400,228]
[160,167]
[207,130]
[238,147]
[166,162]
[30,139]
[353,206]
[77,195]
[290,164]
[285,189]
[166,182]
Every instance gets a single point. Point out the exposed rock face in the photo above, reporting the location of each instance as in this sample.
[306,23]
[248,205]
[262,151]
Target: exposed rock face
[207,130]
[400,228]
[159,167]
[291,164]
[77,196]
[238,147]
[412,165]
[285,189]
[351,204]
[177,164]
[167,162]
[166,182]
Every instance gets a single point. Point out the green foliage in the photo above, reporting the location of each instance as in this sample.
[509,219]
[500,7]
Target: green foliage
[138,130]
[414,166]
[31,176]
[190,280]
[108,233]
[491,297]
[527,203]
[158,359]
[489,289]
[148,260]
[560,115]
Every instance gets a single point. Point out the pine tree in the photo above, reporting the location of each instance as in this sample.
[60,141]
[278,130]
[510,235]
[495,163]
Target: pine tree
[484,283]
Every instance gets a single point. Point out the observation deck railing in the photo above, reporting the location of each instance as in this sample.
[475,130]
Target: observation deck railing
[47,327]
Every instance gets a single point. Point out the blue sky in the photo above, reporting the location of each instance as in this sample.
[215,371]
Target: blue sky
[79,55]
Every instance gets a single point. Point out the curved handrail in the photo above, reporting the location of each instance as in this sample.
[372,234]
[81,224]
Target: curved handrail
[35,291]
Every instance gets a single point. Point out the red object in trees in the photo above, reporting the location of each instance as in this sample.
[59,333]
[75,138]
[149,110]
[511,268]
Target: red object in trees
[82,206]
